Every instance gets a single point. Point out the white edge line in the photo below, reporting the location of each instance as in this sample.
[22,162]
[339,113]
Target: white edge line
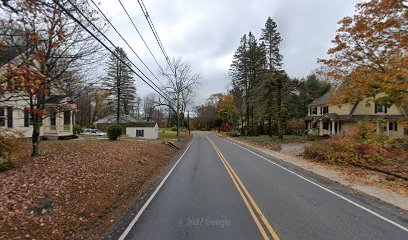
[127,230]
[326,189]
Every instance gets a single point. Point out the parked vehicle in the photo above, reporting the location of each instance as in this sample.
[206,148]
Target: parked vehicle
[93,132]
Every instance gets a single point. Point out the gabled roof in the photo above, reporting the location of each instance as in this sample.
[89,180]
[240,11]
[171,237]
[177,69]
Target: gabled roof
[123,119]
[57,99]
[8,53]
[323,100]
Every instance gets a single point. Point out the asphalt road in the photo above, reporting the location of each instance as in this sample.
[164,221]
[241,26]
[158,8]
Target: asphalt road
[219,190]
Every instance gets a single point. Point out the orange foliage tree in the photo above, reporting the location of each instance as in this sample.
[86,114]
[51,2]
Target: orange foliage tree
[370,56]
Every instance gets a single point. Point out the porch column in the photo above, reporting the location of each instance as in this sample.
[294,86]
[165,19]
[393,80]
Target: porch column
[57,122]
[71,113]
[320,128]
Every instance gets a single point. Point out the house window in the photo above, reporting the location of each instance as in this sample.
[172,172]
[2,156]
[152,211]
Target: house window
[324,110]
[393,126]
[67,118]
[26,117]
[53,120]
[10,117]
[326,125]
[380,109]
[2,120]
[139,133]
[313,111]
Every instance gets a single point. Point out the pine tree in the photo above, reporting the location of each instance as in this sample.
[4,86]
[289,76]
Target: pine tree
[275,78]
[120,82]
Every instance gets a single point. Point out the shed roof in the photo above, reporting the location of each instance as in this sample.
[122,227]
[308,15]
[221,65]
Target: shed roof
[128,119]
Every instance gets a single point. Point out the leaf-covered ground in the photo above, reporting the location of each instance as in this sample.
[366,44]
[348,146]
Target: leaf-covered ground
[351,172]
[87,184]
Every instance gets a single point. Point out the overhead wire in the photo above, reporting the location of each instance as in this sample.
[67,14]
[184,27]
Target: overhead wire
[104,45]
[156,35]
[120,35]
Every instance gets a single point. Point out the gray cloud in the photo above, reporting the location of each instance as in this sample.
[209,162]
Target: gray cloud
[207,33]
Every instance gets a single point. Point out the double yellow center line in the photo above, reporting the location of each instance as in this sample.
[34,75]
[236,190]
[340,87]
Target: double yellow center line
[249,201]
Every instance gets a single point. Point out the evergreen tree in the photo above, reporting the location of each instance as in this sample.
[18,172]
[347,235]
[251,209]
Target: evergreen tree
[120,83]
[275,79]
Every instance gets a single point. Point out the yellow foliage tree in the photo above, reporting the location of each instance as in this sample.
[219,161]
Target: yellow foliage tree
[370,56]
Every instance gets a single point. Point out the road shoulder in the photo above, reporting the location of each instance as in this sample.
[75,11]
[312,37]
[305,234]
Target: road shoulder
[124,222]
[393,198]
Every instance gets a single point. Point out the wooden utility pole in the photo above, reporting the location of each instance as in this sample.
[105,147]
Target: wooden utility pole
[188,121]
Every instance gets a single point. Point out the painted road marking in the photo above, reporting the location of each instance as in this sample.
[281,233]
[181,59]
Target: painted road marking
[127,230]
[326,189]
[242,189]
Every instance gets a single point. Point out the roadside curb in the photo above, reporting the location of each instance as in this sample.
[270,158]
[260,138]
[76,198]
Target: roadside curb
[392,198]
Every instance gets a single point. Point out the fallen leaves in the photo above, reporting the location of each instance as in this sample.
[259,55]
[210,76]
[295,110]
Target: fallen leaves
[90,184]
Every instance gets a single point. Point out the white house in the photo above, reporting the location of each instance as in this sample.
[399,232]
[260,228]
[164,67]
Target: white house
[147,130]
[56,124]
[134,126]
[14,110]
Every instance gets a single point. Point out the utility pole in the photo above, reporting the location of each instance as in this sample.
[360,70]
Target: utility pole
[188,121]
[178,102]
[158,116]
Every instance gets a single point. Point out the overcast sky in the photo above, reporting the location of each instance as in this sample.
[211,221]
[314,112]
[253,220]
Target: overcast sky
[206,33]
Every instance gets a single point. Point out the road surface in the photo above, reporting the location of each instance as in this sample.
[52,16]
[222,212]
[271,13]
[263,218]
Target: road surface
[220,190]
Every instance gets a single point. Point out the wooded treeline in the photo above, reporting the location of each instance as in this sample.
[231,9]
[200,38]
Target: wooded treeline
[263,99]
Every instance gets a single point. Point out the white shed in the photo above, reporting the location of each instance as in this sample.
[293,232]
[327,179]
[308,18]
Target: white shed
[146,130]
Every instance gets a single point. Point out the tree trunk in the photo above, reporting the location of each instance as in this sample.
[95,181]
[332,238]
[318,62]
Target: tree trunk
[279,109]
[36,138]
[178,116]
[242,125]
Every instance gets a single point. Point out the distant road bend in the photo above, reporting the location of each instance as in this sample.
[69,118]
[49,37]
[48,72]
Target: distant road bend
[221,190]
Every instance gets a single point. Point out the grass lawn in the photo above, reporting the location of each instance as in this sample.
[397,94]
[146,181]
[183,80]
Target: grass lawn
[168,133]
[87,184]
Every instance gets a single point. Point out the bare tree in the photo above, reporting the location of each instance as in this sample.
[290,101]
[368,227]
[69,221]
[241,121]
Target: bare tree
[181,84]
[53,50]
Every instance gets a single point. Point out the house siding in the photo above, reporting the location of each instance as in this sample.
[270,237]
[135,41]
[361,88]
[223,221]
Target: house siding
[45,130]
[365,107]
[149,132]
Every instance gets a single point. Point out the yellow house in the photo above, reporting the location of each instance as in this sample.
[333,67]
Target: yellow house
[327,119]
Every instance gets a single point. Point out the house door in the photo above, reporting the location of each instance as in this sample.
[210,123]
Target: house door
[336,125]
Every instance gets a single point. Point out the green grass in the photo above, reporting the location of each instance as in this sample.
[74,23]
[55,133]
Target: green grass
[265,139]
[168,133]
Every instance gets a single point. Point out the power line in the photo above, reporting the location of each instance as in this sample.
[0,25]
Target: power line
[140,35]
[110,23]
[115,47]
[148,48]
[156,35]
[104,45]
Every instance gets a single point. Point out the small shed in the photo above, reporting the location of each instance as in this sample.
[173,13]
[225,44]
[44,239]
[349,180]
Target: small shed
[147,130]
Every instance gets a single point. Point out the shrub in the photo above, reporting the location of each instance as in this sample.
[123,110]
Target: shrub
[233,134]
[329,152]
[174,128]
[114,131]
[6,164]
[7,147]
[78,129]
[295,126]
